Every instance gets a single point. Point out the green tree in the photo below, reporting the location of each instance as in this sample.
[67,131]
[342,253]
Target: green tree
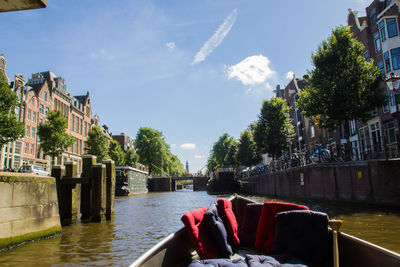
[246,154]
[222,153]
[131,158]
[11,128]
[116,153]
[274,128]
[343,85]
[96,143]
[155,153]
[53,138]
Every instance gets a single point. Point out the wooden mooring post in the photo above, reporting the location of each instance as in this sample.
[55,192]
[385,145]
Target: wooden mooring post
[97,189]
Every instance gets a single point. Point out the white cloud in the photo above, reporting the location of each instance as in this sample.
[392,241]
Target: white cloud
[290,75]
[252,70]
[188,146]
[199,156]
[216,39]
[170,45]
[173,146]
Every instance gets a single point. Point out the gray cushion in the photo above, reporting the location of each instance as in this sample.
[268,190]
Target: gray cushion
[273,261]
[218,263]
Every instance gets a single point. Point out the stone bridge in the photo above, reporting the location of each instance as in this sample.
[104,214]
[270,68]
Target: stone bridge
[168,184]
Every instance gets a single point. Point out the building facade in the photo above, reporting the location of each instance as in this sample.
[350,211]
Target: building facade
[378,31]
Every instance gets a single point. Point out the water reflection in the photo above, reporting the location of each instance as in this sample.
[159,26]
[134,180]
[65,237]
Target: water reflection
[141,221]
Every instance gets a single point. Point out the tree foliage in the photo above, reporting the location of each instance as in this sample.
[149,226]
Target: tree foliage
[343,85]
[274,128]
[223,153]
[155,153]
[116,153]
[96,143]
[11,128]
[247,153]
[131,158]
[53,138]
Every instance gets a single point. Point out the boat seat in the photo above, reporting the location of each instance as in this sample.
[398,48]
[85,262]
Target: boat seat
[228,217]
[199,234]
[248,229]
[303,234]
[218,231]
[266,225]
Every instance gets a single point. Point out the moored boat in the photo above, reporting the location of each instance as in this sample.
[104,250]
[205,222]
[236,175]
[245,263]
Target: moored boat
[130,181]
[177,249]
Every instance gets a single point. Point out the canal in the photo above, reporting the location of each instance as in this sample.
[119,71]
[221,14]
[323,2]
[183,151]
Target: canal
[142,221]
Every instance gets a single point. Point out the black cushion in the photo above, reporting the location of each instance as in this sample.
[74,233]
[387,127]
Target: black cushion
[218,263]
[218,231]
[304,235]
[248,229]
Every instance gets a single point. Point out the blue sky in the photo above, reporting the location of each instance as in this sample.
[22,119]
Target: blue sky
[191,69]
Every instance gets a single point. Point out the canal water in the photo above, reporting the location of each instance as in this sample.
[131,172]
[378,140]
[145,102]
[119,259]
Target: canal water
[143,220]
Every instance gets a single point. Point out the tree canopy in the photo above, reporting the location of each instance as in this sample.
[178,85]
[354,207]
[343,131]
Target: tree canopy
[247,154]
[116,153]
[274,128]
[53,138]
[131,158]
[343,85]
[11,128]
[96,143]
[222,153]
[155,153]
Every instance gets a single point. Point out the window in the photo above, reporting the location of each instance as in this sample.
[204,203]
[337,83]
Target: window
[40,121]
[352,127]
[26,151]
[27,131]
[47,112]
[380,66]
[33,116]
[76,124]
[33,133]
[28,115]
[366,55]
[382,30]
[364,138]
[377,42]
[31,149]
[389,130]
[376,136]
[392,27]
[312,131]
[72,122]
[373,16]
[41,109]
[387,62]
[45,96]
[85,129]
[395,58]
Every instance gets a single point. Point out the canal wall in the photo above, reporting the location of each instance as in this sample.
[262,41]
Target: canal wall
[375,181]
[28,208]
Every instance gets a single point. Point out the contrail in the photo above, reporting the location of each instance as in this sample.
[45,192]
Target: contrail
[216,39]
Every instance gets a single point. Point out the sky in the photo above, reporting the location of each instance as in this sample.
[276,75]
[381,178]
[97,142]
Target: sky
[193,70]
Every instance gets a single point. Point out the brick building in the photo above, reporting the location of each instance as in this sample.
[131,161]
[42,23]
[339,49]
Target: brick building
[49,92]
[379,32]
[125,141]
